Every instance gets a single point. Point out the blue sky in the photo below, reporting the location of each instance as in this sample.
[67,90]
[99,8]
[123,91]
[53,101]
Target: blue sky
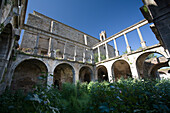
[93,16]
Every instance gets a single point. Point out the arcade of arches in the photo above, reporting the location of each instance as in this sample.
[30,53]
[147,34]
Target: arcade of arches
[27,72]
[148,68]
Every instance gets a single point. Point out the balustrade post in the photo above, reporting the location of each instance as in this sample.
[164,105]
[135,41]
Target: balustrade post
[92,57]
[50,48]
[127,44]
[107,53]
[64,54]
[143,44]
[98,54]
[75,53]
[85,39]
[36,45]
[84,55]
[116,50]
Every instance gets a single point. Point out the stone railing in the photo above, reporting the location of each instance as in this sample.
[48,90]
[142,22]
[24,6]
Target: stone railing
[119,34]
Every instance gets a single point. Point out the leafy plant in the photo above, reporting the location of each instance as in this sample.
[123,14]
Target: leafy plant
[126,96]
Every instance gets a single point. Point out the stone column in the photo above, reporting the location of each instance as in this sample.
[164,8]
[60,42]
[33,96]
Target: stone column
[64,54]
[85,39]
[76,76]
[92,57]
[50,48]
[116,50]
[159,13]
[107,53]
[127,44]
[110,76]
[143,44]
[50,79]
[36,45]
[98,54]
[95,73]
[134,71]
[75,53]
[84,55]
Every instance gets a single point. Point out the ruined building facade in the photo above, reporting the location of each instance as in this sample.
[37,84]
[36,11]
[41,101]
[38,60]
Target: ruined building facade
[64,54]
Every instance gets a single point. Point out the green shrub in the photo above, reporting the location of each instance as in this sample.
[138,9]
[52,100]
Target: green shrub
[126,96]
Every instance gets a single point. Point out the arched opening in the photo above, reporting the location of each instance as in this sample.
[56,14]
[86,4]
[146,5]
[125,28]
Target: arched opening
[121,70]
[28,74]
[102,73]
[5,41]
[85,74]
[63,73]
[5,48]
[164,72]
[149,63]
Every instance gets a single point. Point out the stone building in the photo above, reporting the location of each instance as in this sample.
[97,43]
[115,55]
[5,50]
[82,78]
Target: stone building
[64,54]
[63,45]
[12,17]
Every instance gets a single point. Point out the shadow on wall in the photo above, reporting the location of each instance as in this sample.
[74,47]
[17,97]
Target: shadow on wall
[85,74]
[63,73]
[28,74]
[121,70]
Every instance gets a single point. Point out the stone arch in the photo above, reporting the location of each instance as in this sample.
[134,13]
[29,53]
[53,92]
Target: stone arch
[102,73]
[121,68]
[5,41]
[147,69]
[85,74]
[153,73]
[28,73]
[63,72]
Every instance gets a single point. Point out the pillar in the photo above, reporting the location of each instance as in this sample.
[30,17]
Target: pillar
[85,39]
[99,59]
[84,55]
[50,48]
[95,74]
[143,44]
[76,76]
[64,54]
[127,44]
[75,52]
[116,50]
[50,79]
[134,71]
[107,54]
[159,13]
[92,57]
[109,70]
[36,45]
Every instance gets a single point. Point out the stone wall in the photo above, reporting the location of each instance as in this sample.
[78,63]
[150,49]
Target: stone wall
[63,31]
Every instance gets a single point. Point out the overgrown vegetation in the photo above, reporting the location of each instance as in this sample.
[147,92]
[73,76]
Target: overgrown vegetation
[102,57]
[123,96]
